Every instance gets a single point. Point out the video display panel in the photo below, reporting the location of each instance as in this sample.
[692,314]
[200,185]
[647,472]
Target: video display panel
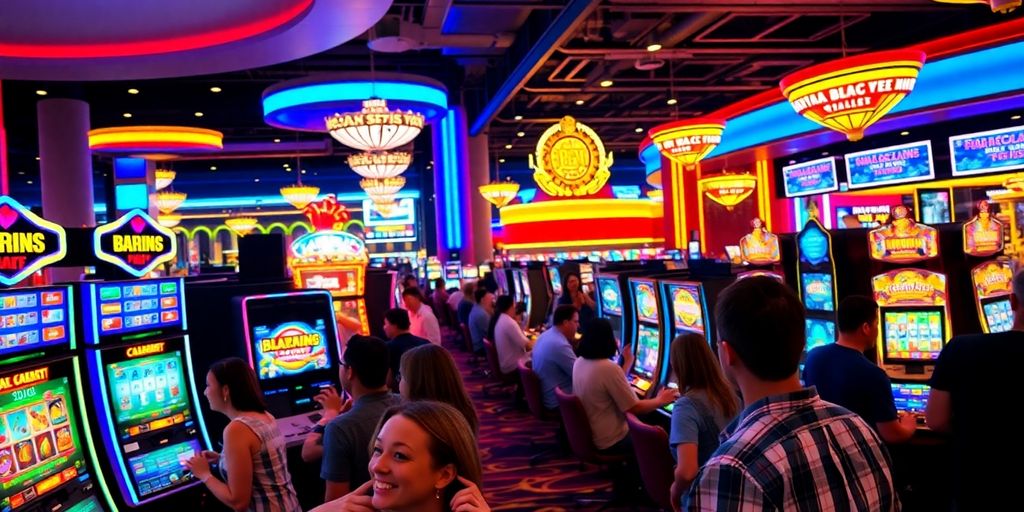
[648,349]
[163,468]
[913,334]
[556,280]
[910,397]
[290,348]
[998,315]
[609,295]
[34,318]
[646,301]
[149,394]
[132,306]
[819,332]
[817,291]
[687,308]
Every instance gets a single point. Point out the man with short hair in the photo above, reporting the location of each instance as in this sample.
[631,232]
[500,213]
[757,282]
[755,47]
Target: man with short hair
[396,328]
[363,372]
[843,375]
[788,449]
[480,318]
[976,376]
[423,323]
[553,356]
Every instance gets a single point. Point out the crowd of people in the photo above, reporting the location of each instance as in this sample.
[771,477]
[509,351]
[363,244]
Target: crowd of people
[747,430]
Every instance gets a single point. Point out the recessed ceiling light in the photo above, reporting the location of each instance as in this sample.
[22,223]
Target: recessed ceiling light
[199,114]
[257,180]
[904,133]
[518,118]
[21,173]
[215,89]
[126,115]
[1015,117]
[653,47]
[287,169]
[639,130]
[286,165]
[791,162]
[824,153]
[133,91]
[520,134]
[501,160]
[579,102]
[303,171]
[37,159]
[672,101]
[29,182]
[277,140]
[213,167]
[40,92]
[607,83]
[508,146]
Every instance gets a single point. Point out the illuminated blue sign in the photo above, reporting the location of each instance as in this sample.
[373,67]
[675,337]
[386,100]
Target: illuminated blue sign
[813,243]
[891,165]
[808,178]
[985,152]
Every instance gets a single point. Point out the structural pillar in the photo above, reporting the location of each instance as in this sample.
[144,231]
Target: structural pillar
[479,174]
[65,169]
[680,199]
[452,186]
[4,183]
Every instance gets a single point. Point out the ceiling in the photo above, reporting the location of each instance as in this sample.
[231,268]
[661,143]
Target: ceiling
[715,52]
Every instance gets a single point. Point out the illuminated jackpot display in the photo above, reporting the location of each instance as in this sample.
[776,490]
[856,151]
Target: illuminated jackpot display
[35,318]
[134,243]
[290,349]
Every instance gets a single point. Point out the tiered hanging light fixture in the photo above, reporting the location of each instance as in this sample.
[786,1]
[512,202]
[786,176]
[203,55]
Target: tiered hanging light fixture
[375,127]
[299,195]
[169,200]
[499,193]
[241,224]
[383,164]
[168,220]
[1000,6]
[382,190]
[164,178]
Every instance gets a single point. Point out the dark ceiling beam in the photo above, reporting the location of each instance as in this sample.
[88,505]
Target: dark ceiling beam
[613,90]
[629,54]
[560,31]
[774,6]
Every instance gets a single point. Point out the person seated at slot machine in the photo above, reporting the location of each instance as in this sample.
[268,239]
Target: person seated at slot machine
[574,295]
[424,323]
[976,377]
[553,357]
[363,372]
[509,340]
[844,376]
[706,405]
[429,372]
[396,328]
[439,299]
[253,464]
[480,318]
[465,294]
[423,458]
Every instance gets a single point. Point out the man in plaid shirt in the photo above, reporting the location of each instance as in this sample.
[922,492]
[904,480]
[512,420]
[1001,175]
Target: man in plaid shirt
[788,449]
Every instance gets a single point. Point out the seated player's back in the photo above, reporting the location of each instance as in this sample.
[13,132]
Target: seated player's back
[847,378]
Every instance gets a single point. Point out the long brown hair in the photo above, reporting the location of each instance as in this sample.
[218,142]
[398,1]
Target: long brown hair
[243,387]
[696,367]
[451,441]
[430,373]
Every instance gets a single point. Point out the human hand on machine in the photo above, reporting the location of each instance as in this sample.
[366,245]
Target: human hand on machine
[908,421]
[667,395]
[331,402]
[211,456]
[199,466]
[627,357]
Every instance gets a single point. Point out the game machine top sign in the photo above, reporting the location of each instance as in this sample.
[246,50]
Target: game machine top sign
[134,243]
[27,242]
[903,240]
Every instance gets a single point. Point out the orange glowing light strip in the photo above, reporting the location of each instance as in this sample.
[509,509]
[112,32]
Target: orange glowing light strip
[579,209]
[700,216]
[764,198]
[580,243]
[127,135]
[678,204]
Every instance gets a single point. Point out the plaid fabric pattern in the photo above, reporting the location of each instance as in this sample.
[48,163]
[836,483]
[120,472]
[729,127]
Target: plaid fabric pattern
[796,452]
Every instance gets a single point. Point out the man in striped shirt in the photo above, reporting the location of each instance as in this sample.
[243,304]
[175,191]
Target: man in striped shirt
[788,449]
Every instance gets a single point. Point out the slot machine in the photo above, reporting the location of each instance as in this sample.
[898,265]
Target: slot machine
[470,273]
[760,250]
[501,278]
[138,358]
[587,276]
[292,345]
[483,269]
[555,281]
[685,304]
[614,304]
[47,461]
[646,331]
[452,274]
[992,280]
[816,281]
[335,261]
[913,303]
[912,398]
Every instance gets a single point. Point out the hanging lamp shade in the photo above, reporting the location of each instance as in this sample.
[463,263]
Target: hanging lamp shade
[499,193]
[168,220]
[242,225]
[164,178]
[375,127]
[380,164]
[169,200]
[849,95]
[1000,6]
[382,190]
[299,195]
[688,141]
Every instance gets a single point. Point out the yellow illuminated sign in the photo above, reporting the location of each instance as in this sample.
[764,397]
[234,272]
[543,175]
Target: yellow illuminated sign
[729,190]
[570,160]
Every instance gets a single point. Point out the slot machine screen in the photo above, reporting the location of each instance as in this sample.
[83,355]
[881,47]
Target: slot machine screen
[483,269]
[910,397]
[817,291]
[41,448]
[556,280]
[609,295]
[648,347]
[470,273]
[586,273]
[148,394]
[646,301]
[687,311]
[34,318]
[913,334]
[291,348]
[819,332]
[133,306]
[998,315]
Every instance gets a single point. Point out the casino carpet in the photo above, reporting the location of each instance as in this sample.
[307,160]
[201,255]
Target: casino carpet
[508,438]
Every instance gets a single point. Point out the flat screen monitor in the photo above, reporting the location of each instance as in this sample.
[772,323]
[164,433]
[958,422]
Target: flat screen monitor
[609,295]
[646,300]
[913,335]
[648,350]
[587,273]
[555,277]
[910,397]
[33,319]
[42,459]
[998,314]
[687,308]
[149,394]
[732,252]
[470,273]
[819,332]
[693,249]
[935,206]
[132,307]
[817,291]
[483,269]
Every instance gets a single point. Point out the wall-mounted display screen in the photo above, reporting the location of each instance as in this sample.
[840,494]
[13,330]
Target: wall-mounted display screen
[132,306]
[808,178]
[817,291]
[998,315]
[935,206]
[913,334]
[819,332]
[34,318]
[648,349]
[888,166]
[646,300]
[910,397]
[984,152]
[609,295]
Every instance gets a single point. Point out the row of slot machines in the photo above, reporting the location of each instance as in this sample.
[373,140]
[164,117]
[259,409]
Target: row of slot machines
[538,287]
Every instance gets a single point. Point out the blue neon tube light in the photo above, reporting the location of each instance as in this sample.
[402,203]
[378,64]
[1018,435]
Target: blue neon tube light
[354,91]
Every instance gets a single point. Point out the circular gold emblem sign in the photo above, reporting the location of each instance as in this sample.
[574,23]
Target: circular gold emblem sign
[570,160]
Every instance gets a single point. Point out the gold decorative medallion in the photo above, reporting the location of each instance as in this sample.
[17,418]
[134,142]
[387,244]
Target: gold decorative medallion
[570,160]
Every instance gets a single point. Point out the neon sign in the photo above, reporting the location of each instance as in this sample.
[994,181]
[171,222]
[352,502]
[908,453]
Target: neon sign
[903,240]
[134,243]
[291,348]
[23,379]
[570,160]
[27,242]
[688,141]
[327,246]
[984,152]
[729,190]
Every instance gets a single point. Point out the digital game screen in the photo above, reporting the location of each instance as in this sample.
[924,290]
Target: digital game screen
[34,318]
[290,348]
[648,345]
[131,306]
[817,291]
[163,468]
[556,280]
[586,273]
[646,301]
[149,394]
[913,334]
[609,295]
[819,332]
[687,311]
[998,315]
[470,273]
[910,397]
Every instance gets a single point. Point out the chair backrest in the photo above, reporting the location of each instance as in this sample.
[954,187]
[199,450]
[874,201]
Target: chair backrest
[577,426]
[652,454]
[467,337]
[532,388]
[492,357]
